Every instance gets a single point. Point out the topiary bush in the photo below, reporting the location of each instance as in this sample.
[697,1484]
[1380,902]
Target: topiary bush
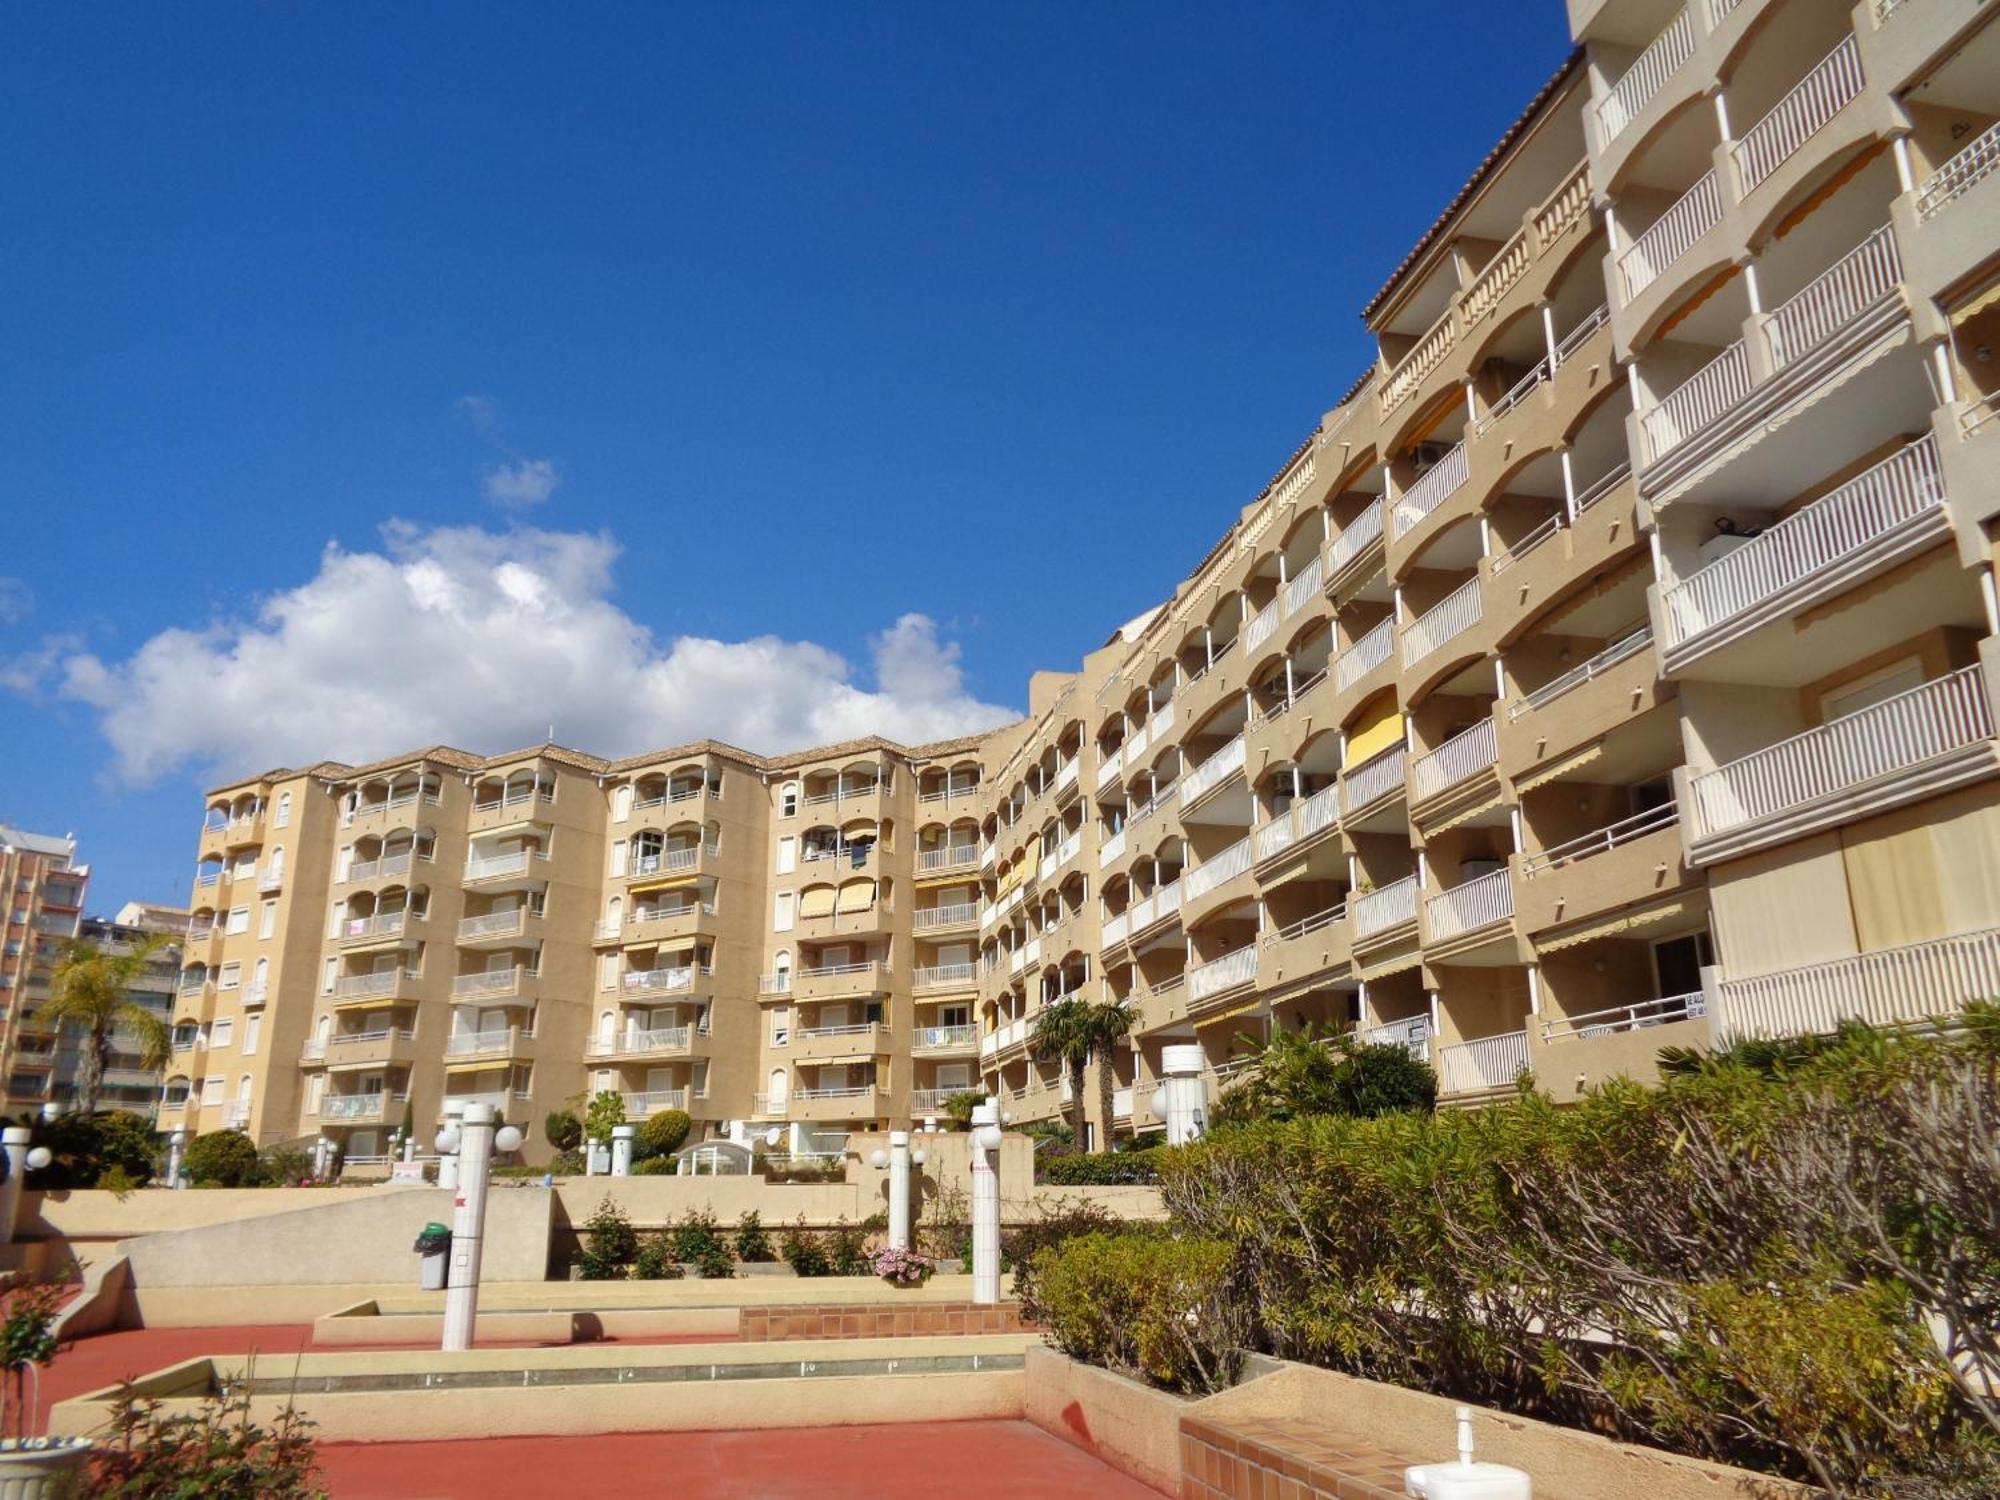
[222,1158]
[562,1130]
[1153,1307]
[661,1134]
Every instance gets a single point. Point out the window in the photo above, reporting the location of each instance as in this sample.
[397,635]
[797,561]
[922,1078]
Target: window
[274,868]
[284,814]
[246,864]
[267,919]
[343,862]
[232,975]
[1866,692]
[1678,962]
[222,1033]
[781,920]
[331,973]
[607,972]
[618,857]
[213,1089]
[239,919]
[781,1025]
[788,854]
[788,799]
[621,804]
[253,1031]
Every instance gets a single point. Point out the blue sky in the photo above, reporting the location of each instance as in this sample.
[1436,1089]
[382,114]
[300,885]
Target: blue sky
[649,369]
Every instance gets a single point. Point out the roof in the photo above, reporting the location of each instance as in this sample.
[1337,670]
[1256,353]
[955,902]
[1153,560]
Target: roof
[1472,184]
[36,843]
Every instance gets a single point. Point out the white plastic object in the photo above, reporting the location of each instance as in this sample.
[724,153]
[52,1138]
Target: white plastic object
[1466,1479]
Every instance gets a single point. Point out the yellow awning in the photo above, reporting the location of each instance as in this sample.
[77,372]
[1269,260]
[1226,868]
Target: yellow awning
[1649,916]
[475,1064]
[856,895]
[1465,815]
[1558,769]
[672,882]
[817,901]
[1229,1015]
[1394,965]
[665,945]
[356,1067]
[1960,316]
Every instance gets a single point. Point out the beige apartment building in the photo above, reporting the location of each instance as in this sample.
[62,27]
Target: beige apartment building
[41,903]
[1613,667]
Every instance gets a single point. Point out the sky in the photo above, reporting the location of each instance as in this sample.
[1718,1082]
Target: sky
[372,376]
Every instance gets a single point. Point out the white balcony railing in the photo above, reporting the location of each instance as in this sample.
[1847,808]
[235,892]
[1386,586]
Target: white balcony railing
[944,1039]
[928,917]
[1453,615]
[495,866]
[488,982]
[1697,401]
[1492,1062]
[950,857]
[1864,276]
[1382,910]
[368,986]
[1365,655]
[1458,759]
[1261,626]
[495,1043]
[1469,907]
[1635,1017]
[1211,874]
[350,1106]
[1796,118]
[1225,973]
[1115,928]
[1415,367]
[1304,587]
[1876,503]
[1163,903]
[639,1043]
[655,1101]
[939,976]
[1894,735]
[1671,236]
[1413,1035]
[1625,646]
[1121,1103]
[1111,850]
[494,924]
[1960,175]
[374,869]
[1363,529]
[674,980]
[381,925]
[1439,483]
[1375,777]
[1603,840]
[1212,772]
[1887,987]
[1109,765]
[1650,70]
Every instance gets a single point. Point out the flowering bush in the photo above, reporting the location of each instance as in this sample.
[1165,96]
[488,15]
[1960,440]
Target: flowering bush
[900,1267]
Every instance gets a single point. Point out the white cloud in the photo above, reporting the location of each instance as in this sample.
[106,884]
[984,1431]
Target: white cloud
[522,483]
[483,639]
[17,601]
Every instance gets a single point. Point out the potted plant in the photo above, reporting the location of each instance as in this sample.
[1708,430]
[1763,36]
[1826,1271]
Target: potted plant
[900,1267]
[30,1467]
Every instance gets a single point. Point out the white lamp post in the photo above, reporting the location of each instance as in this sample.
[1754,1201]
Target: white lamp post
[622,1137]
[986,1203]
[897,1159]
[14,1141]
[1182,1098]
[472,1142]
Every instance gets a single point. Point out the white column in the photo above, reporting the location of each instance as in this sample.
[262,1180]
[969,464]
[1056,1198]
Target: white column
[621,1149]
[1906,173]
[1549,333]
[177,1144]
[986,1203]
[14,1141]
[899,1189]
[1569,488]
[468,1222]
[1182,1098]
[448,1171]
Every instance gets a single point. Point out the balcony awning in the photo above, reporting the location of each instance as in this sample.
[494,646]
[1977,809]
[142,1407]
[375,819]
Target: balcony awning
[1648,916]
[846,1059]
[1558,769]
[1230,1014]
[1960,316]
[665,944]
[358,1067]
[1467,814]
[508,831]
[476,1064]
[1395,964]
[856,895]
[668,883]
[817,902]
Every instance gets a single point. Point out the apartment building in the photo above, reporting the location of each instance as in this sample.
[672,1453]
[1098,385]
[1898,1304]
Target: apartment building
[127,1083]
[1613,667]
[41,900]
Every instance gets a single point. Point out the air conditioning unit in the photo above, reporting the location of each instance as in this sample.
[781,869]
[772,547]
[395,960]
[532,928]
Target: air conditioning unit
[1428,455]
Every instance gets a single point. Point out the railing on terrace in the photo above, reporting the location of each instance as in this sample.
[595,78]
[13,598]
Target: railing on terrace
[1960,175]
[1413,1035]
[1638,1017]
[852,792]
[1211,874]
[1068,771]
[1543,369]
[1453,615]
[1462,756]
[1650,70]
[656,1039]
[1894,735]
[1212,772]
[950,857]
[1697,401]
[1894,493]
[371,869]
[1262,626]
[1889,986]
[517,798]
[486,1043]
[494,923]
[643,916]
[1471,906]
[1590,494]
[1438,483]
[1563,207]
[1121,1103]
[1509,264]
[1603,840]
[350,1106]
[1163,903]
[846,1029]
[1492,1062]
[1109,765]
[1307,926]
[1548,531]
[667,980]
[947,793]
[1304,587]
[1619,650]
[1365,655]
[846,971]
[1671,236]
[1111,849]
[1375,777]
[1115,928]
[1793,120]
[493,866]
[935,976]
[1363,529]
[946,916]
[1224,973]
[943,1038]
[366,986]
[489,982]
[1415,367]
[1978,414]
[383,924]
[1381,910]
[653,1101]
[1858,280]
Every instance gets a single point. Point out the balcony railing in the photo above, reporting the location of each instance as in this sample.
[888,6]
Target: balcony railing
[930,1102]
[1497,278]
[950,857]
[1864,276]
[1439,483]
[667,981]
[942,976]
[1216,872]
[1304,587]
[372,869]
[381,925]
[869,969]
[1874,504]
[1115,928]
[1490,1063]
[1261,627]
[1365,655]
[1300,821]
[1111,850]
[1212,772]
[1375,777]
[488,982]
[653,1102]
[682,858]
[1413,1035]
[1469,907]
[1159,906]
[1449,618]
[1799,116]
[946,916]
[1381,910]
[1697,401]
[368,986]
[944,1038]
[850,792]
[1638,1017]
[1317,922]
[495,924]
[351,1106]
[487,1043]
[494,866]
[1363,529]
[1225,973]
[1459,758]
[1121,1103]
[1887,987]
[1652,820]
[1415,367]
[1671,236]
[640,1043]
[1619,650]
[1960,175]
[1894,735]
[1650,70]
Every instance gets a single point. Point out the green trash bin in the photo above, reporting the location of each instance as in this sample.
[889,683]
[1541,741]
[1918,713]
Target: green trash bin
[434,1245]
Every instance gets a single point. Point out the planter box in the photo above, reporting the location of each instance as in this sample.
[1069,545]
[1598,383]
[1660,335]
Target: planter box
[1132,1427]
[40,1473]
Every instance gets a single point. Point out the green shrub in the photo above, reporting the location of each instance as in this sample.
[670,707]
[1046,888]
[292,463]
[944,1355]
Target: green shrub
[753,1244]
[84,1147]
[656,1261]
[605,1111]
[958,1108]
[214,1450]
[222,1158]
[608,1235]
[660,1135]
[697,1235]
[1156,1308]
[945,1231]
[790,1169]
[847,1250]
[567,1162]
[1103,1168]
[1309,1072]
[802,1251]
[655,1166]
[284,1166]
[562,1130]
[1054,1224]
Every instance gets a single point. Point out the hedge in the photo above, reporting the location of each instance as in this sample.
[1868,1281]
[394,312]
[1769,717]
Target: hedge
[1104,1168]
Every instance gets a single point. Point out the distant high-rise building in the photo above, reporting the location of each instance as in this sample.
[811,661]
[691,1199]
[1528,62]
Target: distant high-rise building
[41,900]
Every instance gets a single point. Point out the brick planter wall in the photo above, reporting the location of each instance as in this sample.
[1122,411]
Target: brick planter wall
[877,1320]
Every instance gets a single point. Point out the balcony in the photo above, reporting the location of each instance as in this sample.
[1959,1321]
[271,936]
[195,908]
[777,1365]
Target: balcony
[492,927]
[1627,863]
[1162,905]
[491,984]
[1457,760]
[1442,623]
[1913,745]
[1232,971]
[354,1109]
[1365,655]
[1212,773]
[1795,119]
[857,1042]
[861,1102]
[388,867]
[1375,778]
[636,1044]
[1317,945]
[1959,176]
[1360,533]
[1414,368]
[375,929]
[673,861]
[1438,484]
[382,985]
[374,1045]
[1620,1019]
[948,860]
[648,925]
[1412,1035]
[944,1041]
[1302,821]
[838,981]
[938,918]
[1672,235]
[1111,850]
[1469,908]
[1381,913]
[1887,987]
[944,977]
[679,979]
[930,1103]
[491,869]
[495,1044]
[1218,870]
[1487,1066]
[654,1101]
[1009,1034]
[500,1101]
[1636,87]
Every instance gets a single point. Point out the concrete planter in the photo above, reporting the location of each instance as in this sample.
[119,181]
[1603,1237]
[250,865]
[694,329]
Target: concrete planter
[35,1468]
[1132,1427]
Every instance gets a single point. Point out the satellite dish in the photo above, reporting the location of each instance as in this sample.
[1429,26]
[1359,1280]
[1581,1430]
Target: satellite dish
[773,1136]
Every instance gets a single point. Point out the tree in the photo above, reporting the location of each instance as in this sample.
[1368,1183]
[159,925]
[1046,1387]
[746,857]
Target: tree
[563,1130]
[661,1134]
[606,1110]
[1063,1034]
[1107,1025]
[227,1158]
[89,993]
[1313,1072]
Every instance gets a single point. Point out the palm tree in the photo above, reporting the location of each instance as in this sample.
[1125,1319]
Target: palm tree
[1062,1033]
[1107,1024]
[89,991]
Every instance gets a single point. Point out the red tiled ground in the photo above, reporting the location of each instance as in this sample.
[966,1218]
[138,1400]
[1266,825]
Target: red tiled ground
[917,1461]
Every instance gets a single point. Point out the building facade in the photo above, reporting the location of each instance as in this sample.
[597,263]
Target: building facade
[41,899]
[1613,667]
[127,1083]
